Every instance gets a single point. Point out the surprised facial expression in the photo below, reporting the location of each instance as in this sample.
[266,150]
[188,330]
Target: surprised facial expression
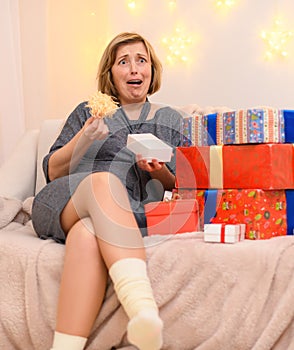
[131,73]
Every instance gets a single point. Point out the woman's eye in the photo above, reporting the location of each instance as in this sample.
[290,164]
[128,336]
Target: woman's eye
[142,60]
[123,62]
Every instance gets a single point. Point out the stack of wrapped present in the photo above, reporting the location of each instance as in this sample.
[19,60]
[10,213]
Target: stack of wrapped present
[239,165]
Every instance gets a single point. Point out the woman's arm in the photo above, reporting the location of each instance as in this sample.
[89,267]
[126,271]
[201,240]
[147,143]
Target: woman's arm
[158,171]
[163,174]
[67,157]
[172,119]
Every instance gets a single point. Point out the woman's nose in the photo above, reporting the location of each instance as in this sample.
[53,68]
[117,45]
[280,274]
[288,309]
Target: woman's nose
[134,68]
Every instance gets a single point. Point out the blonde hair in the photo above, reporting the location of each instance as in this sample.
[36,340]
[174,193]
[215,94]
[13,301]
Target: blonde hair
[104,77]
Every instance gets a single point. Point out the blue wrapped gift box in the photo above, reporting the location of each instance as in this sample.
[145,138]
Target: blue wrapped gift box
[260,125]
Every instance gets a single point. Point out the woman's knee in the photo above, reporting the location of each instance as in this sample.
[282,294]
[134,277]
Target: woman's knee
[105,180]
[108,188]
[82,238]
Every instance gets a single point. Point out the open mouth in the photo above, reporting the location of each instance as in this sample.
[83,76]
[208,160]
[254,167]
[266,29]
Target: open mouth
[135,82]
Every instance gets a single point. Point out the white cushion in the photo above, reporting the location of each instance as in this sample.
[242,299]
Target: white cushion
[18,173]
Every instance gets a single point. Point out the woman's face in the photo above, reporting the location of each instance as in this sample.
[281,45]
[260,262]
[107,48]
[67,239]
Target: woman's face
[131,73]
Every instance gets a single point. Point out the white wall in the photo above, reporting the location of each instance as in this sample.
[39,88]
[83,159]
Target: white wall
[12,122]
[228,65]
[61,43]
[77,33]
[227,60]
[34,53]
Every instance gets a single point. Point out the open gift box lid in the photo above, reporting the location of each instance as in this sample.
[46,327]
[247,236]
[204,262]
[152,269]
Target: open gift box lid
[150,147]
[171,207]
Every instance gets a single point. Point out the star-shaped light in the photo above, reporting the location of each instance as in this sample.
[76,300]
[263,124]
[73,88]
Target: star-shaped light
[277,40]
[177,46]
[172,4]
[228,3]
[132,4]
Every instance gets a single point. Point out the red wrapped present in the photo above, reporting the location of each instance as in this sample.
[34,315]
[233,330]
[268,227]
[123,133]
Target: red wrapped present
[263,212]
[171,217]
[275,206]
[224,233]
[207,202]
[266,166]
[192,167]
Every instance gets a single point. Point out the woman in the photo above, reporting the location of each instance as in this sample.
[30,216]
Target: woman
[95,195]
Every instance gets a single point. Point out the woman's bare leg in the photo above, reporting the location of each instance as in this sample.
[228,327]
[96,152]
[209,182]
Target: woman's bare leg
[83,282]
[102,197]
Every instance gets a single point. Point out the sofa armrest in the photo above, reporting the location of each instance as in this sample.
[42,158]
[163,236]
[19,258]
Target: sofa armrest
[18,173]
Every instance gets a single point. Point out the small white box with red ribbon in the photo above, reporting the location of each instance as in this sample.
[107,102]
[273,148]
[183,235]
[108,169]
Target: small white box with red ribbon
[224,233]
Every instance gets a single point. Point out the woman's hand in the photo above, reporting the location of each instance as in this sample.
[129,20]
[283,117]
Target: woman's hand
[158,170]
[95,129]
[152,166]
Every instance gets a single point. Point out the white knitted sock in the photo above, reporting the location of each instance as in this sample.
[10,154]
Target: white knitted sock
[145,330]
[68,342]
[134,291]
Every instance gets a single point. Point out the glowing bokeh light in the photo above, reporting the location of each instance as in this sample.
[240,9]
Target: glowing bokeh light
[177,46]
[277,40]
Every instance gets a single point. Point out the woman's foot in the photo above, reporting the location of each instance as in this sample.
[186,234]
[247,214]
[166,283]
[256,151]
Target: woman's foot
[145,330]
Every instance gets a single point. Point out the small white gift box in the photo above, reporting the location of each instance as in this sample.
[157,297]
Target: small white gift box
[150,147]
[224,233]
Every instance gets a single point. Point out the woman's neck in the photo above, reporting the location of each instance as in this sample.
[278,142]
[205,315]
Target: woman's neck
[133,110]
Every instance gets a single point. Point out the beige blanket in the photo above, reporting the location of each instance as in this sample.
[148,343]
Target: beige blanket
[211,296]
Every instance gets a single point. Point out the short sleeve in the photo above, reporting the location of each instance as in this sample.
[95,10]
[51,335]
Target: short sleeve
[72,126]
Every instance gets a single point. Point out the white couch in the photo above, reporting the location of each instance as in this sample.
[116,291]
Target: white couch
[21,176]
[211,296]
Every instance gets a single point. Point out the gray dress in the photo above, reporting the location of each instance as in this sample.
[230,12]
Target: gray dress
[109,155]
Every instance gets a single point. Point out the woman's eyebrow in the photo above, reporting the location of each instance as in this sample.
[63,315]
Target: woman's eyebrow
[122,56]
[142,54]
[137,54]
